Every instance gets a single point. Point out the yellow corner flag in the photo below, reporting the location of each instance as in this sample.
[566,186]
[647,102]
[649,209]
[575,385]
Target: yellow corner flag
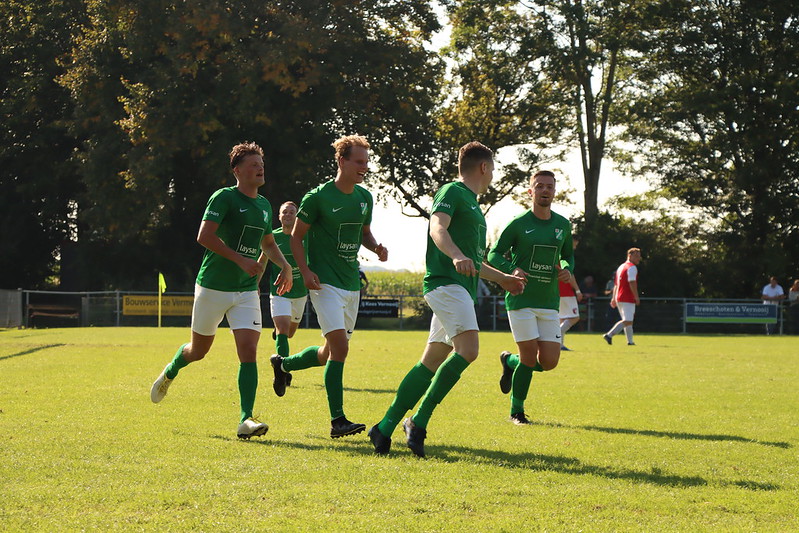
[161,290]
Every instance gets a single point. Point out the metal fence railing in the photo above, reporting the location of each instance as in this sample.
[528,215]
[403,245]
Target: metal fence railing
[40,309]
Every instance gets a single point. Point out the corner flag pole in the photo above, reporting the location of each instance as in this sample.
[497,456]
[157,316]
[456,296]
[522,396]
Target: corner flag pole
[161,289]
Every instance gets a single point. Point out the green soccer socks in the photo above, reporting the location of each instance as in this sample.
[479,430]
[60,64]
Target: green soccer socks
[411,389]
[522,377]
[177,363]
[445,378]
[282,345]
[248,385]
[307,358]
[334,384]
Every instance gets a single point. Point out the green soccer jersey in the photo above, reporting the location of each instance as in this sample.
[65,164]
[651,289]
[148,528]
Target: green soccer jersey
[334,238]
[298,289]
[535,246]
[242,223]
[468,231]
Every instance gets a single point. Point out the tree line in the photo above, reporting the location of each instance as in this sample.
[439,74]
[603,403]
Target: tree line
[118,115]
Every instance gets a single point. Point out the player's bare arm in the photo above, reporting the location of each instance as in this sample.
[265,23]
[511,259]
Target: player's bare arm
[370,243]
[512,283]
[439,232]
[285,279]
[309,278]
[634,288]
[207,237]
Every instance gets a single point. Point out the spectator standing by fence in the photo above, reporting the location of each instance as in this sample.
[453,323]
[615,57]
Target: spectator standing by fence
[772,294]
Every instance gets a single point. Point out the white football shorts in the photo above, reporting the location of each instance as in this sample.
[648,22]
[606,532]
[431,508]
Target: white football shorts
[291,307]
[533,323]
[453,313]
[568,307]
[336,308]
[626,310]
[243,310]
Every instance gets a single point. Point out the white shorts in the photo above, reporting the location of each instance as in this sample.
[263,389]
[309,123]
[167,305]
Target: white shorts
[291,307]
[453,313]
[336,308]
[626,310]
[568,307]
[532,323]
[243,310]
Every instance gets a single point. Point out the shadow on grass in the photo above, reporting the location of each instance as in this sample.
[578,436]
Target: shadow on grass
[32,350]
[515,461]
[668,434]
[321,387]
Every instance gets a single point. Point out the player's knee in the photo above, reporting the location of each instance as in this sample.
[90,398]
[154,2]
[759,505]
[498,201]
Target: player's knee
[549,364]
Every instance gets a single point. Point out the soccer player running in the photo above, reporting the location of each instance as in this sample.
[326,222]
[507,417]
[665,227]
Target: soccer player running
[539,245]
[455,248]
[336,216]
[237,224]
[625,296]
[286,309]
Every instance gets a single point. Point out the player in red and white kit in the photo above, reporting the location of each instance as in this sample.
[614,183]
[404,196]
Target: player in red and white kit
[569,313]
[625,296]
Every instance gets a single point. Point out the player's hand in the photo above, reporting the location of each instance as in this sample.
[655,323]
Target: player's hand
[513,284]
[250,266]
[284,281]
[613,303]
[518,272]
[382,252]
[579,296]
[311,280]
[465,266]
[563,274]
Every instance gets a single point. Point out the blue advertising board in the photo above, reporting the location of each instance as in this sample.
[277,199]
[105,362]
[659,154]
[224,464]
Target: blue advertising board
[732,313]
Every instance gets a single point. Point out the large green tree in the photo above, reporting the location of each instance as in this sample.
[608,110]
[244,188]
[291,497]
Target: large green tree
[37,180]
[165,88]
[718,122]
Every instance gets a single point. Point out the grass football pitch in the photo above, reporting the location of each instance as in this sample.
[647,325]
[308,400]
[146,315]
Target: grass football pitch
[678,433]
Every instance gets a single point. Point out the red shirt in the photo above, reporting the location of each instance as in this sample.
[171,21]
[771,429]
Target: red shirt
[623,292]
[565,289]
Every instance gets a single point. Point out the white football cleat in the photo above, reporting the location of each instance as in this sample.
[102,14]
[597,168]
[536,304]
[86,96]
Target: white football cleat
[160,387]
[252,428]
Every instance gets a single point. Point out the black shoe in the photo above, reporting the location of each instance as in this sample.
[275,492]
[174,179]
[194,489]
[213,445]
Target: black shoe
[415,436]
[608,338]
[520,419]
[288,379]
[341,427]
[564,349]
[381,443]
[630,344]
[279,383]
[506,381]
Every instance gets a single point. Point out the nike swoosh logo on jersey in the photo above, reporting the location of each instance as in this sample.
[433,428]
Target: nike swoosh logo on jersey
[241,210]
[529,231]
[337,209]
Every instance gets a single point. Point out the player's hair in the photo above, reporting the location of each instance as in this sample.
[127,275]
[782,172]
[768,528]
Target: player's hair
[289,203]
[242,150]
[633,250]
[471,155]
[547,173]
[344,145]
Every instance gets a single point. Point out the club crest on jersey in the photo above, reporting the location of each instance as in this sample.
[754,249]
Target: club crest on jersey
[363,208]
[559,234]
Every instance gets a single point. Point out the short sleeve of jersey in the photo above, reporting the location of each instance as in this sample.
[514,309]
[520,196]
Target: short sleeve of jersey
[445,201]
[309,207]
[217,207]
[632,273]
